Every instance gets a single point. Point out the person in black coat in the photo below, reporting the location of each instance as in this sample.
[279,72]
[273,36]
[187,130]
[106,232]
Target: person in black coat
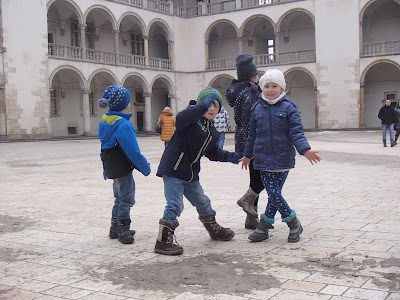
[195,136]
[242,94]
[387,116]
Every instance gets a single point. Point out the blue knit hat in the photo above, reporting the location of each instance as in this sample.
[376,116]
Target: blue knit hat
[115,97]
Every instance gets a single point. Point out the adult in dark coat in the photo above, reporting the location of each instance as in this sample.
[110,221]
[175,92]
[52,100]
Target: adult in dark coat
[387,116]
[242,94]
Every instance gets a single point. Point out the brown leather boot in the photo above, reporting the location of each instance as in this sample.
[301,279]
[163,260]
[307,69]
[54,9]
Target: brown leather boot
[165,240]
[216,231]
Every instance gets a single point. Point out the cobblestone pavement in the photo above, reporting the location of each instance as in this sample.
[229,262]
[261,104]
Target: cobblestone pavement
[55,213]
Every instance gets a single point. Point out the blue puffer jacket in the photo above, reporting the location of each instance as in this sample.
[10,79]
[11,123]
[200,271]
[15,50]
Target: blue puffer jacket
[194,137]
[274,130]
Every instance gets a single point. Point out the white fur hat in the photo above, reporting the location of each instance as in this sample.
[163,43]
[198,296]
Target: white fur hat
[273,75]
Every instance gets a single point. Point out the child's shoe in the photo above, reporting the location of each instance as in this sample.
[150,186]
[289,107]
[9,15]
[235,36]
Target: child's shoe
[216,231]
[261,232]
[247,202]
[295,230]
[114,229]
[251,221]
[124,232]
[165,240]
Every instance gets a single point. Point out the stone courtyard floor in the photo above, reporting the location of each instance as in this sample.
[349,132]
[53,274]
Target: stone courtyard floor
[55,212]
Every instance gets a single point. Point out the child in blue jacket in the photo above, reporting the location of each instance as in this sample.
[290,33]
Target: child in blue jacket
[274,133]
[195,136]
[120,154]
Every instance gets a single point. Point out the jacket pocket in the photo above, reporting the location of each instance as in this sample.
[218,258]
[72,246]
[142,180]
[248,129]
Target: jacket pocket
[281,114]
[178,161]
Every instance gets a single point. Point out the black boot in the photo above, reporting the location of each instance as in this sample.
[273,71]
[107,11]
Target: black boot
[261,232]
[247,202]
[295,230]
[251,221]
[114,229]
[216,231]
[124,233]
[165,240]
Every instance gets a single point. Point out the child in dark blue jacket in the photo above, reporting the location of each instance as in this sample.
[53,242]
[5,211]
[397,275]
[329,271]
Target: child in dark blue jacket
[120,154]
[179,167]
[274,133]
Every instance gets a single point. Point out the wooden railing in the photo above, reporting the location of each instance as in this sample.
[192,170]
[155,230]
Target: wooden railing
[383,48]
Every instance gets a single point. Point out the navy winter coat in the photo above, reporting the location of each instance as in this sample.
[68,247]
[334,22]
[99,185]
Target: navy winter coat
[274,132]
[242,95]
[194,137]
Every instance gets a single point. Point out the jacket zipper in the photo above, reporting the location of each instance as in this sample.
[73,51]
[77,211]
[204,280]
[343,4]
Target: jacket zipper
[205,144]
[178,161]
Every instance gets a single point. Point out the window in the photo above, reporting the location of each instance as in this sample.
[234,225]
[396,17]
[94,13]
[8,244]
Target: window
[271,50]
[392,96]
[139,98]
[90,36]
[74,34]
[137,44]
[53,103]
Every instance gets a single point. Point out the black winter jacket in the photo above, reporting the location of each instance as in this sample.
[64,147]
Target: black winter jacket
[386,114]
[242,95]
[194,137]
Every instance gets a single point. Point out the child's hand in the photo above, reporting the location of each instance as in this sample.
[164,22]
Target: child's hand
[312,156]
[209,100]
[233,157]
[245,162]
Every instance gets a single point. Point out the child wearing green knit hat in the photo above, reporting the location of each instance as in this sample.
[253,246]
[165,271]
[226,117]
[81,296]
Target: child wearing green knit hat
[195,136]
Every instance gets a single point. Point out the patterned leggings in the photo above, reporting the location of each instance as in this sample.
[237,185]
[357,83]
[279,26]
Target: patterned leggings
[273,183]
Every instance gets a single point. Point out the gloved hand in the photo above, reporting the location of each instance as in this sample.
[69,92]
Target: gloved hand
[233,157]
[209,100]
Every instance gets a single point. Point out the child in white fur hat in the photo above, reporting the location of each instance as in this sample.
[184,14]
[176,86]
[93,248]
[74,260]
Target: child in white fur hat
[275,131]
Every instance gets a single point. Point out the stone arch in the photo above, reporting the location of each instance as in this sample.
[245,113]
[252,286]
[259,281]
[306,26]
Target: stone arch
[307,12]
[102,71]
[140,78]
[211,26]
[73,5]
[104,8]
[164,80]
[240,30]
[139,20]
[68,67]
[163,25]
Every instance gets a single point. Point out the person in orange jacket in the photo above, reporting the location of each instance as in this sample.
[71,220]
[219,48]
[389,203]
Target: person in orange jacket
[167,123]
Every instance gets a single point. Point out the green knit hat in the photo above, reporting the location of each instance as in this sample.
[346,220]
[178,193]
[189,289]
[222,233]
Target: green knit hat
[210,92]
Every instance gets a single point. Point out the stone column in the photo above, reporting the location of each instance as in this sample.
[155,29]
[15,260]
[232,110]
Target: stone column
[116,45]
[83,39]
[362,106]
[240,40]
[146,50]
[3,114]
[239,6]
[316,126]
[276,47]
[147,113]
[206,54]
[171,53]
[86,112]
[173,103]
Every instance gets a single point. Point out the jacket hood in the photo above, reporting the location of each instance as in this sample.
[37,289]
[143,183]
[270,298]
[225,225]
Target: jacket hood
[167,110]
[109,124]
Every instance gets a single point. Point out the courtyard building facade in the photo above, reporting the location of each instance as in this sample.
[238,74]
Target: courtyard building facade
[340,58]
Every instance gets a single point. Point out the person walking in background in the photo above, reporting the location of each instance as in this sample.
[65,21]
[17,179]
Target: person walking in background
[120,154]
[195,136]
[386,115]
[397,121]
[222,123]
[167,123]
[275,132]
[242,94]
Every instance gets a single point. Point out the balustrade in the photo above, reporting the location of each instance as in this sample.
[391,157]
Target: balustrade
[384,48]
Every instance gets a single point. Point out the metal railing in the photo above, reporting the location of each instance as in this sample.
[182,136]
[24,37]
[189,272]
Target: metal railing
[383,48]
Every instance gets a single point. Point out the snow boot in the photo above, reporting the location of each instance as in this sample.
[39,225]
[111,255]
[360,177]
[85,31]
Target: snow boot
[247,202]
[251,221]
[114,229]
[124,232]
[261,232]
[216,231]
[165,240]
[295,230]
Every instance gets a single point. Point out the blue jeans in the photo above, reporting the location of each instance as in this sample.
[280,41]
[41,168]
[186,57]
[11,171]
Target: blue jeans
[273,183]
[221,140]
[124,193]
[174,189]
[386,127]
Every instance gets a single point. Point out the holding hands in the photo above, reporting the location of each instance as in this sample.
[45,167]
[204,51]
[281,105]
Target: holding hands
[245,162]
[312,156]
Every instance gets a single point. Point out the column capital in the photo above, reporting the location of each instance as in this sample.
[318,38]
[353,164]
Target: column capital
[86,91]
[145,37]
[170,96]
[116,32]
[147,94]
[171,42]
[82,26]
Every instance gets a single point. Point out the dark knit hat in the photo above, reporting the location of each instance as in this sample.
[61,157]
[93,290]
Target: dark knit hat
[245,67]
[207,92]
[115,97]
